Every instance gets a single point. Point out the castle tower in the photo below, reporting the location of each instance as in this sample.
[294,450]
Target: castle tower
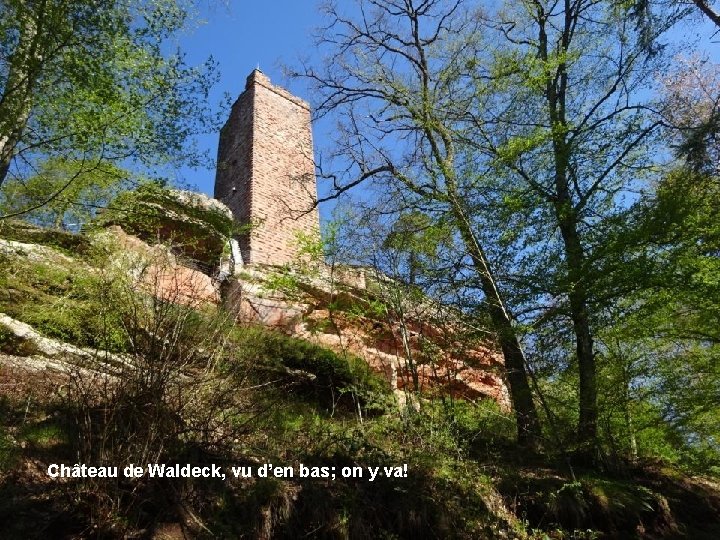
[265,171]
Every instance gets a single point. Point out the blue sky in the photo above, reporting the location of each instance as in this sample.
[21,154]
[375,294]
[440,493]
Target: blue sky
[242,34]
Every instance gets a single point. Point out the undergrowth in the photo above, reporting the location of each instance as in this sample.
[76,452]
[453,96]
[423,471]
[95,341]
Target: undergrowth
[209,390]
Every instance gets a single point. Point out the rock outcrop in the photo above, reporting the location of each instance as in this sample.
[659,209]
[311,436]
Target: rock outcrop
[158,271]
[192,224]
[179,253]
[428,351]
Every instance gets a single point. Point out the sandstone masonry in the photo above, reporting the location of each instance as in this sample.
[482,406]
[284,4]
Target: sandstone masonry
[266,172]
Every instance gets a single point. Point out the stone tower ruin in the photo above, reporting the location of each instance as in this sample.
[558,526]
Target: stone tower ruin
[266,173]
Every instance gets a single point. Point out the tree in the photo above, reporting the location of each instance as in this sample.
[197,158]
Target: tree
[396,77]
[691,95]
[667,321]
[642,9]
[577,146]
[418,238]
[691,88]
[63,194]
[89,81]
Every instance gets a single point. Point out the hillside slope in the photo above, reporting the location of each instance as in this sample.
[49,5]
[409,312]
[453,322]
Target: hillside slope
[114,351]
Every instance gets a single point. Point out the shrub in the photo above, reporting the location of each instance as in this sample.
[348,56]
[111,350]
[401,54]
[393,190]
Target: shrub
[163,400]
[328,375]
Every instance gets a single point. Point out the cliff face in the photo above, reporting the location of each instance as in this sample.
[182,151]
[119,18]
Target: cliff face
[425,351]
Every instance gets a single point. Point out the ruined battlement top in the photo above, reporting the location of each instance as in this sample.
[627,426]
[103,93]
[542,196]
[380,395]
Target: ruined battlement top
[258,78]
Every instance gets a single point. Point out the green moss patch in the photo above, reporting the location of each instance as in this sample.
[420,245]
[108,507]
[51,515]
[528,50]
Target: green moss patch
[156,214]
[311,368]
[65,302]
[66,242]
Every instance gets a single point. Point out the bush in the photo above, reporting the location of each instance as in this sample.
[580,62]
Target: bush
[162,401]
[327,374]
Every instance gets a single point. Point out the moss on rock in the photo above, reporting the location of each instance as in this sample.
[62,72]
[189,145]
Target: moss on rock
[64,241]
[197,226]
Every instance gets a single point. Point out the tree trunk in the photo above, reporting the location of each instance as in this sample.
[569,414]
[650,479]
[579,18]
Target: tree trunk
[578,296]
[567,221]
[16,103]
[528,425]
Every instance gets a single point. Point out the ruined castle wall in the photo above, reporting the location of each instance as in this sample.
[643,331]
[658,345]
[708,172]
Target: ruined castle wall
[234,164]
[266,170]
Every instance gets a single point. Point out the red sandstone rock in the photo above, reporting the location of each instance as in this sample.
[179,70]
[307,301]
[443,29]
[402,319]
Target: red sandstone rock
[159,272]
[467,371]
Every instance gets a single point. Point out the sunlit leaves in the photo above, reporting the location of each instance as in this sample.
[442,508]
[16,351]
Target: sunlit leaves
[102,84]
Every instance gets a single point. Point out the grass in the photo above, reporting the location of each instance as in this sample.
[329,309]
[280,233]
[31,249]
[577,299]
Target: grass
[8,451]
[305,404]
[311,370]
[62,300]
[65,242]
[45,435]
[444,495]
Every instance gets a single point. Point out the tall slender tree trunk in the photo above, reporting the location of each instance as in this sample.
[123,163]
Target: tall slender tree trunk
[567,221]
[577,289]
[528,424]
[16,100]
[578,297]
[577,286]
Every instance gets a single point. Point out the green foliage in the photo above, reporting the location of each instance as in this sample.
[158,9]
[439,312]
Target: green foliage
[420,238]
[91,80]
[442,481]
[300,407]
[587,507]
[313,246]
[147,202]
[514,148]
[481,425]
[330,374]
[536,198]
[374,308]
[662,344]
[61,299]
[45,434]
[65,194]
[283,280]
[568,504]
